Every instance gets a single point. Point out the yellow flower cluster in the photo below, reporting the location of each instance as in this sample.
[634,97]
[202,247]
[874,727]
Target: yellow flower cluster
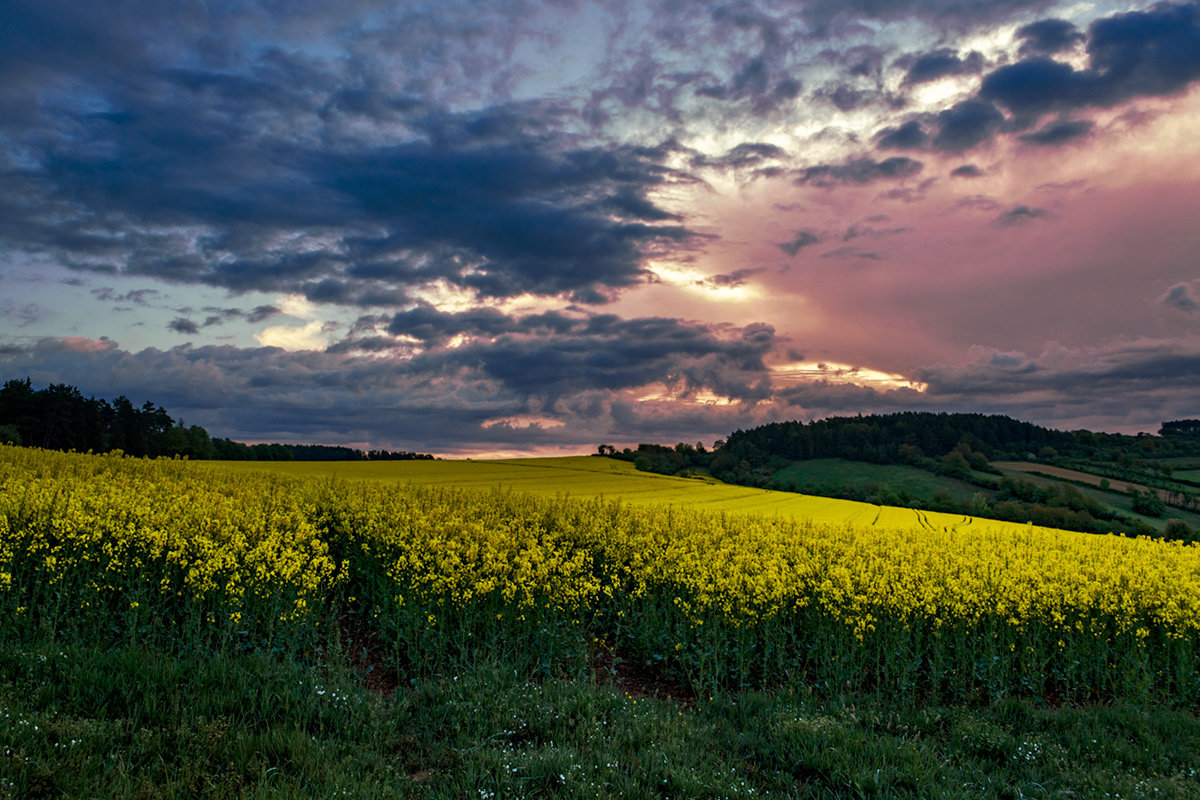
[456,547]
[81,531]
[124,536]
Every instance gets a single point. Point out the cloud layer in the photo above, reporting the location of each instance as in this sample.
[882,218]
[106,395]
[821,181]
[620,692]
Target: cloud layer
[543,224]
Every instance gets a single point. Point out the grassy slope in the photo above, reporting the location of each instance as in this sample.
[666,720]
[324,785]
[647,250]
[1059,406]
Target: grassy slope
[593,476]
[1068,475]
[1180,462]
[917,483]
[1086,483]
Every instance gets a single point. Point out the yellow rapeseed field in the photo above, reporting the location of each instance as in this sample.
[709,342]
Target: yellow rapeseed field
[181,552]
[596,477]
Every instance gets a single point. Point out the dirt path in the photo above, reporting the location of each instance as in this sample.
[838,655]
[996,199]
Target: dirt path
[1069,474]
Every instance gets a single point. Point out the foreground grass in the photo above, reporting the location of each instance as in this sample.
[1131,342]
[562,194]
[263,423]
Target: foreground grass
[81,722]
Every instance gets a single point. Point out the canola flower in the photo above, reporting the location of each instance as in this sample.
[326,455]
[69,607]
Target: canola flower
[162,548]
[128,539]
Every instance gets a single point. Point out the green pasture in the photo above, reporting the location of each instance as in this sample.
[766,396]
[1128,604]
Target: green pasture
[1178,462]
[1113,498]
[596,476]
[919,484]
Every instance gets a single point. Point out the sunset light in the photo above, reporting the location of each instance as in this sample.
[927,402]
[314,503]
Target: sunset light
[828,372]
[409,224]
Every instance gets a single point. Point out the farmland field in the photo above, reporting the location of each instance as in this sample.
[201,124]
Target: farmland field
[1115,496]
[1032,468]
[598,477]
[208,627]
[917,483]
[816,591]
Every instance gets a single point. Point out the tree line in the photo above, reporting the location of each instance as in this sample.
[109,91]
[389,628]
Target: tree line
[59,417]
[959,446]
[951,444]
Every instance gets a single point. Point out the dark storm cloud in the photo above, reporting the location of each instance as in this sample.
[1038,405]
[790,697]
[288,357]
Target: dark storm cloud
[498,218]
[183,325]
[978,202]
[908,194]
[642,83]
[753,82]
[605,352]
[1021,215]
[860,61]
[1067,186]
[909,136]
[592,345]
[1047,37]
[745,155]
[1135,370]
[850,252]
[260,313]
[363,344]
[1137,54]
[967,171]
[860,171]
[746,16]
[1060,132]
[943,13]
[139,297]
[356,292]
[236,168]
[940,63]
[219,316]
[1120,386]
[966,125]
[733,279]
[759,41]
[869,229]
[432,326]
[1039,85]
[803,239]
[442,398]
[270,394]
[846,98]
[45,38]
[1182,297]
[757,48]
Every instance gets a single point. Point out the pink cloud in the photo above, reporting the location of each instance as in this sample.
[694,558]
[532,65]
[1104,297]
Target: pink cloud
[83,344]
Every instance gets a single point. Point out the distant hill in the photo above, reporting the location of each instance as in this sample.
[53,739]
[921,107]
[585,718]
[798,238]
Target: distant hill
[1159,494]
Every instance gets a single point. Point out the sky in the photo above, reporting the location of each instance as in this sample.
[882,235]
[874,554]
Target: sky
[527,228]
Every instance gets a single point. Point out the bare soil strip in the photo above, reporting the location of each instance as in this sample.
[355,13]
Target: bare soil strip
[1067,474]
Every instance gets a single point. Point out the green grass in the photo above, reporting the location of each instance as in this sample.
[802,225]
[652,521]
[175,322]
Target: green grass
[78,722]
[838,472]
[1178,462]
[1110,498]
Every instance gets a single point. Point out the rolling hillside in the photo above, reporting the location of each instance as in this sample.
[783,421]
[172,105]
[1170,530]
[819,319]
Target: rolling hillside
[595,476]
